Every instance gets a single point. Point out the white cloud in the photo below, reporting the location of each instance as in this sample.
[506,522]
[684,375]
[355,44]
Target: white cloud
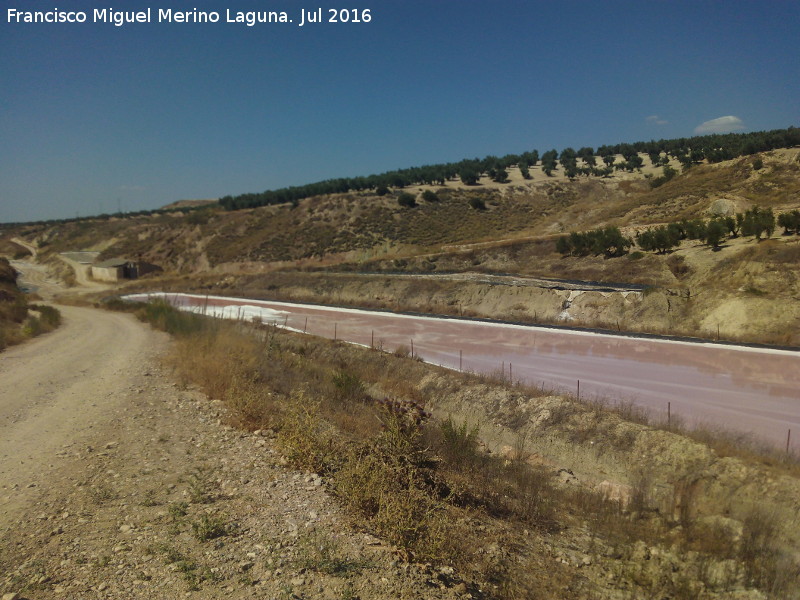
[656,120]
[720,125]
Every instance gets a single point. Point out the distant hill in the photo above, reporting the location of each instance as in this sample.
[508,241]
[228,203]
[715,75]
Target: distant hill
[584,162]
[180,204]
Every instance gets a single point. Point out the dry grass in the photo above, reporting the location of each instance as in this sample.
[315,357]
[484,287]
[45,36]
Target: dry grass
[430,489]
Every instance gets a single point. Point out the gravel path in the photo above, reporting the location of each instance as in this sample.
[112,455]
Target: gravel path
[117,484]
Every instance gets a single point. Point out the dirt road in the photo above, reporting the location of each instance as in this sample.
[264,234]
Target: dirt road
[59,390]
[117,483]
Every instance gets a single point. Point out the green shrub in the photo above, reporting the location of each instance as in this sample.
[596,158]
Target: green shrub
[210,527]
[32,327]
[50,316]
[459,443]
[607,240]
[348,387]
[407,200]
[477,203]
[162,315]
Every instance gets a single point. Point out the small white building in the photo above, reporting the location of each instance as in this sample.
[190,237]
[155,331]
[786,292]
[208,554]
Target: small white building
[117,269]
[114,270]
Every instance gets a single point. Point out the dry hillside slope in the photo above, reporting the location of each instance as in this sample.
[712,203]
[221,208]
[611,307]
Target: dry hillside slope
[745,291]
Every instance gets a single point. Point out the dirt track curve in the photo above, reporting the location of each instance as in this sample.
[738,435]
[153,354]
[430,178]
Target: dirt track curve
[59,389]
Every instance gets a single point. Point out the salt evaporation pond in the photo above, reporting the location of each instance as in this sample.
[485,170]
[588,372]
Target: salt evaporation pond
[753,390]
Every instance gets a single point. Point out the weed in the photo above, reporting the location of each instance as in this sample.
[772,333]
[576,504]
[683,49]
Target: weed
[348,387]
[149,498]
[178,510]
[162,315]
[103,561]
[321,552]
[49,316]
[171,554]
[402,351]
[303,439]
[202,486]
[210,527]
[32,327]
[102,493]
[252,404]
[195,576]
[193,573]
[766,566]
[459,442]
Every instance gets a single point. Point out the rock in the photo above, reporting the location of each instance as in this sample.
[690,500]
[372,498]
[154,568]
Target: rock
[460,588]
[13,596]
[246,565]
[567,476]
[615,492]
[722,207]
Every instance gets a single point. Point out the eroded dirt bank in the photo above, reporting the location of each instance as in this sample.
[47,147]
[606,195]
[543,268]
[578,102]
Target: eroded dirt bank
[741,313]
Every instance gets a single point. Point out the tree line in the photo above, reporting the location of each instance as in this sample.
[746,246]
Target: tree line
[755,222]
[687,151]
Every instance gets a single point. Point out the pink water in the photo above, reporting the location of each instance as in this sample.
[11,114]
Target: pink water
[751,390]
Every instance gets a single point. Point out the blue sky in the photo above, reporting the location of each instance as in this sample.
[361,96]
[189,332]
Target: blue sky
[94,117]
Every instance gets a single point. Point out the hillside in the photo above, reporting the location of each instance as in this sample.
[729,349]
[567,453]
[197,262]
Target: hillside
[300,250]
[570,498]
[342,247]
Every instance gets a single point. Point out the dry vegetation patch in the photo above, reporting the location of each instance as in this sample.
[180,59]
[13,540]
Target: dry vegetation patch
[510,520]
[20,320]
